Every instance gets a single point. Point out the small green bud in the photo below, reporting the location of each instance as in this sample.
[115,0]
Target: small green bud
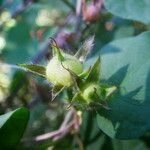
[91,92]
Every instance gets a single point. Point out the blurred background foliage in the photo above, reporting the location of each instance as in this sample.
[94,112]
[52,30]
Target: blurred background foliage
[25,28]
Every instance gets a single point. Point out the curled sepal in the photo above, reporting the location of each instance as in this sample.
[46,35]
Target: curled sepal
[94,73]
[56,90]
[36,69]
[107,91]
[76,79]
[56,50]
[110,91]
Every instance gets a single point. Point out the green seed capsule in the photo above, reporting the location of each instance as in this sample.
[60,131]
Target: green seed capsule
[57,73]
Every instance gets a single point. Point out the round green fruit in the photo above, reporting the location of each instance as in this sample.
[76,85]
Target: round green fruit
[57,73]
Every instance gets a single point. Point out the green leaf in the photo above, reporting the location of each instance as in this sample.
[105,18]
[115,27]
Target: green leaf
[93,75]
[130,9]
[126,63]
[36,69]
[12,126]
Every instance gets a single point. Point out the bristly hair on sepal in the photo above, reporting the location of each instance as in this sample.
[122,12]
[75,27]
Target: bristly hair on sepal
[85,49]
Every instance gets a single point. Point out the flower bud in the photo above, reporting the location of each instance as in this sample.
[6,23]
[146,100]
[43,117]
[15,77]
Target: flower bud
[91,92]
[57,71]
[91,12]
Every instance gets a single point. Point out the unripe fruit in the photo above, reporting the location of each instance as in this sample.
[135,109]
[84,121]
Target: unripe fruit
[57,71]
[91,92]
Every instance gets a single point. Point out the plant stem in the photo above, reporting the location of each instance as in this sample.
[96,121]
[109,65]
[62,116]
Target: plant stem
[65,128]
[79,141]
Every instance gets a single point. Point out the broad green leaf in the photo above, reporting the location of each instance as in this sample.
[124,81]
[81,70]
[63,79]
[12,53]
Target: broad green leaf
[12,126]
[130,9]
[36,69]
[125,63]
[124,31]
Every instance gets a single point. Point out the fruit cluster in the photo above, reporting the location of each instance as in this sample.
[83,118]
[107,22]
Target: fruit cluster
[65,71]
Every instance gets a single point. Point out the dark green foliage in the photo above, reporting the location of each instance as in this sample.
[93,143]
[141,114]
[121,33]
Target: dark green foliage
[12,126]
[128,68]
